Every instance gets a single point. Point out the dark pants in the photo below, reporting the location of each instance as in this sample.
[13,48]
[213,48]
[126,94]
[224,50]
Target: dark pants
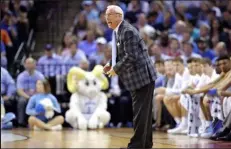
[120,109]
[52,81]
[21,111]
[142,117]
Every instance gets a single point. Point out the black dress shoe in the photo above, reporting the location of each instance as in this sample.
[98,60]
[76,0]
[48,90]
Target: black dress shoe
[226,138]
[220,134]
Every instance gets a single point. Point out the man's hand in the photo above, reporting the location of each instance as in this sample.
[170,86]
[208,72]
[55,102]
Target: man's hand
[111,73]
[6,98]
[106,68]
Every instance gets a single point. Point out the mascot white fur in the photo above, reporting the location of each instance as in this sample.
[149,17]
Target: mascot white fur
[88,104]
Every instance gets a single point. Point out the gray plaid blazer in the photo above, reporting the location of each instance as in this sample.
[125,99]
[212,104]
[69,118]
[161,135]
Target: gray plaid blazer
[134,66]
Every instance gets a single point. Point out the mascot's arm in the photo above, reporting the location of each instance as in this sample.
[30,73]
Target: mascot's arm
[74,104]
[102,106]
[30,108]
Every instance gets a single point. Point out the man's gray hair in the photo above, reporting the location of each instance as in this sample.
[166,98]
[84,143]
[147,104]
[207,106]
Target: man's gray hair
[116,9]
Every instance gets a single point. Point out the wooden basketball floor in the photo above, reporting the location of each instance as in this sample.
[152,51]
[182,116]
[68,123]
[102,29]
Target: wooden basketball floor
[105,138]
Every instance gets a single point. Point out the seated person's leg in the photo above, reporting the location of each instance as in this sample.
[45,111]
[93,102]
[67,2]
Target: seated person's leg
[7,121]
[35,122]
[158,109]
[182,129]
[21,108]
[56,122]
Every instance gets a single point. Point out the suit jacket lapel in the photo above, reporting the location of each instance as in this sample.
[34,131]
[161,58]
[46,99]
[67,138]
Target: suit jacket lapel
[120,29]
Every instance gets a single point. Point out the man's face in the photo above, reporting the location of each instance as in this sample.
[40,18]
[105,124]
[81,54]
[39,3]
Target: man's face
[174,44]
[224,65]
[202,45]
[204,31]
[169,68]
[187,49]
[90,36]
[48,53]
[100,47]
[191,69]
[206,68]
[73,48]
[155,50]
[160,68]
[29,65]
[112,18]
[186,36]
[179,67]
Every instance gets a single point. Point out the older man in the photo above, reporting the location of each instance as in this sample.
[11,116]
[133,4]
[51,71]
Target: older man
[26,87]
[220,50]
[50,65]
[131,62]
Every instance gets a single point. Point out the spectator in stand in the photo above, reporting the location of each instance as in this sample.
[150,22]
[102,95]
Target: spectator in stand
[8,25]
[134,9]
[97,57]
[188,52]
[217,33]
[203,49]
[142,21]
[179,29]
[220,50]
[74,56]
[175,50]
[107,54]
[81,25]
[102,24]
[91,13]
[63,50]
[22,24]
[205,7]
[84,64]
[143,4]
[50,66]
[8,91]
[26,87]
[148,34]
[157,7]
[169,21]
[156,53]
[88,45]
[204,31]
[3,56]
[5,38]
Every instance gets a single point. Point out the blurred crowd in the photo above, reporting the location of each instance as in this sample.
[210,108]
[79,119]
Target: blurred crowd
[18,17]
[183,38]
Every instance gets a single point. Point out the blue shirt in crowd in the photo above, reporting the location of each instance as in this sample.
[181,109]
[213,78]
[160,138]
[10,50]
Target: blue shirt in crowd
[87,47]
[35,101]
[7,83]
[3,47]
[160,81]
[50,66]
[71,61]
[27,81]
[208,53]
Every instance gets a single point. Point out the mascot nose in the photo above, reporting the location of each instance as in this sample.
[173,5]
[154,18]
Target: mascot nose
[92,92]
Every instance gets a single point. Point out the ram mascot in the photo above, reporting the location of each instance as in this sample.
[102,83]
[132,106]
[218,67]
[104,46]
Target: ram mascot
[88,104]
